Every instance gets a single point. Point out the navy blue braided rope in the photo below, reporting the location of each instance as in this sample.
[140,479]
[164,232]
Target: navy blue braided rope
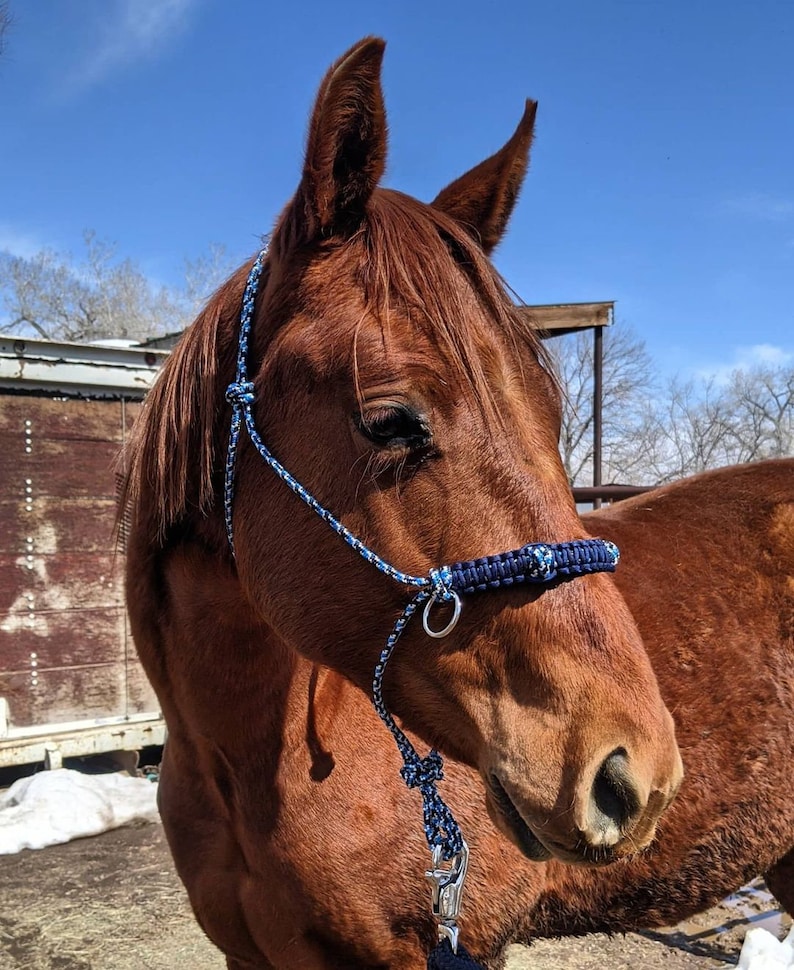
[543,563]
[443,957]
[440,826]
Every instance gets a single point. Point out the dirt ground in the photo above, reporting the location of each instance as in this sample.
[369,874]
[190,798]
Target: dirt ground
[113,902]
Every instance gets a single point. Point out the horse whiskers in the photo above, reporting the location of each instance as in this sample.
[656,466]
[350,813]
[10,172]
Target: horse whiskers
[366,458]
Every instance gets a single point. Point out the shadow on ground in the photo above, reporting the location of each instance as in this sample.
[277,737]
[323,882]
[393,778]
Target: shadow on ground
[113,902]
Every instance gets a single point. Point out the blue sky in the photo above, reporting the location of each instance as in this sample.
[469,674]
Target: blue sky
[662,175]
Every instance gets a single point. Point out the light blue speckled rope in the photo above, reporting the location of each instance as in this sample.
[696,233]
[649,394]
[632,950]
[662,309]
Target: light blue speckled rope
[539,563]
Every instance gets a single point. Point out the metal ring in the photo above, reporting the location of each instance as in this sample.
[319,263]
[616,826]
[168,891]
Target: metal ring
[437,634]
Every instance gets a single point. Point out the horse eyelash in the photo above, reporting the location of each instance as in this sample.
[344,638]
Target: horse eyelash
[420,435]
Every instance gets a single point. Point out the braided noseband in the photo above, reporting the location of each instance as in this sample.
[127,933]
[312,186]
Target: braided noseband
[537,563]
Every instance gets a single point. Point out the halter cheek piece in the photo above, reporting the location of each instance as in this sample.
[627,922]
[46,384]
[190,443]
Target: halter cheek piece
[538,563]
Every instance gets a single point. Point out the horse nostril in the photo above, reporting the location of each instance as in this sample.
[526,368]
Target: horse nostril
[615,800]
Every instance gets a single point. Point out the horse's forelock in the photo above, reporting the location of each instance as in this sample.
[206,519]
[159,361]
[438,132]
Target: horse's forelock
[408,253]
[413,251]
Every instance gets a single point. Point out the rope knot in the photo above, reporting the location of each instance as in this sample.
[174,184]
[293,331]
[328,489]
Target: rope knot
[542,558]
[422,772]
[240,392]
[441,583]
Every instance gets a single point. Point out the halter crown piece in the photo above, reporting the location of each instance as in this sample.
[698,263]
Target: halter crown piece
[538,563]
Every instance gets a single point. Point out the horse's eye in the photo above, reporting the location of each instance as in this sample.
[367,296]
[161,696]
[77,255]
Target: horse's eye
[394,426]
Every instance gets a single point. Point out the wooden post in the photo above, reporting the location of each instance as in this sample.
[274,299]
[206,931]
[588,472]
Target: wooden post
[598,371]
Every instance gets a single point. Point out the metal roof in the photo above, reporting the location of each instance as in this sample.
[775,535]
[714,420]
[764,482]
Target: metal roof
[108,370]
[77,370]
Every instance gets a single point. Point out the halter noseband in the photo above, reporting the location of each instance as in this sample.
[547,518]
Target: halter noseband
[538,563]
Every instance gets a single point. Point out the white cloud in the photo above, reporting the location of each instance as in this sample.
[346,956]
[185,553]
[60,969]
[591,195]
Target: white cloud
[761,206]
[133,30]
[766,354]
[746,358]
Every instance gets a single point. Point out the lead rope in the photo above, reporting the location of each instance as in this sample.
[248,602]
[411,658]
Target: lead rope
[536,563]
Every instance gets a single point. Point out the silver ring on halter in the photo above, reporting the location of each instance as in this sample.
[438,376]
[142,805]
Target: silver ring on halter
[438,634]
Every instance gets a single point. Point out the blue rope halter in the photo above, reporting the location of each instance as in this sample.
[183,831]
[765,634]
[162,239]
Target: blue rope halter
[537,563]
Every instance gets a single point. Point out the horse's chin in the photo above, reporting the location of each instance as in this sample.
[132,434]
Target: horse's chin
[509,820]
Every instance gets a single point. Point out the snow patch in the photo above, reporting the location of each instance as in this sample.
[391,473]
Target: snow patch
[763,951]
[60,805]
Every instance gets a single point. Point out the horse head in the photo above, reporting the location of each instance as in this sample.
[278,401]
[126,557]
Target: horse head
[394,379]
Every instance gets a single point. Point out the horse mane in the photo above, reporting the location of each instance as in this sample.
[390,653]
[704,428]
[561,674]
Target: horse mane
[410,255]
[168,462]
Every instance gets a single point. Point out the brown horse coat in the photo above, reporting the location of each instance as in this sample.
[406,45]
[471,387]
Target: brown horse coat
[323,866]
[393,377]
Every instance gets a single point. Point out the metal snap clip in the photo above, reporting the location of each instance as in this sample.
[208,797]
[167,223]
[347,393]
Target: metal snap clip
[447,886]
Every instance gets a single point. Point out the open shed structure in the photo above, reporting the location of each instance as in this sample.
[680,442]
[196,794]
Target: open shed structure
[70,681]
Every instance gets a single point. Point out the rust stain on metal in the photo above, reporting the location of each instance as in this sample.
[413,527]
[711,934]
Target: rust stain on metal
[65,653]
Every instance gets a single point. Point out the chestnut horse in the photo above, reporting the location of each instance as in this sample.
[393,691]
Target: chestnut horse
[392,377]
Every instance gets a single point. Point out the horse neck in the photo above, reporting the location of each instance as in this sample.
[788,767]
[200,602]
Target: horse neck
[219,670]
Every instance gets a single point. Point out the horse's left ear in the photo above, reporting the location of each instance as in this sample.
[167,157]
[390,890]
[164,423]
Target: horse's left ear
[345,148]
[483,199]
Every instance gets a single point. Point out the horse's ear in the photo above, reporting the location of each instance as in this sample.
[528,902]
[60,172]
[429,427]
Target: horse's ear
[345,150]
[482,200]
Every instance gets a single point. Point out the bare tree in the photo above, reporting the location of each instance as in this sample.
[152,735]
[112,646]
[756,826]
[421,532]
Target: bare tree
[694,426]
[689,429]
[203,274]
[654,434]
[628,383]
[761,401]
[55,297]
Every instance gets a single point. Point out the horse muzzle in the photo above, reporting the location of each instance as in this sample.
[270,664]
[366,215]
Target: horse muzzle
[608,820]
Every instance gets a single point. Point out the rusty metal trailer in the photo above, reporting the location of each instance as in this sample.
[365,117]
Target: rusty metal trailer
[70,681]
